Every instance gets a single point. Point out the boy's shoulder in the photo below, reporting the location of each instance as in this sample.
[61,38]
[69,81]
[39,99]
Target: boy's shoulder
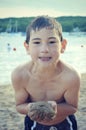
[70,72]
[21,72]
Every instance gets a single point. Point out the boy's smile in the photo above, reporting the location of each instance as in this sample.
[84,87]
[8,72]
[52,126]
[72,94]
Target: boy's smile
[45,58]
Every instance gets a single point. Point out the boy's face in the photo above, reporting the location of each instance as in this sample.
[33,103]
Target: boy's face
[44,46]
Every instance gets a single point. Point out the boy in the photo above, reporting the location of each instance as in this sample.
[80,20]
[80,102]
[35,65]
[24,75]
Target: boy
[46,83]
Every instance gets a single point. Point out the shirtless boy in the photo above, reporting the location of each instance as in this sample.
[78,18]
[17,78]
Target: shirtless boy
[46,79]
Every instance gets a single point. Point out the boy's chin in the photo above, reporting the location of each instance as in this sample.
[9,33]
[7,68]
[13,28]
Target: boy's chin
[45,64]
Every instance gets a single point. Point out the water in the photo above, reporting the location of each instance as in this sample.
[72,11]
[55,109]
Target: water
[75,53]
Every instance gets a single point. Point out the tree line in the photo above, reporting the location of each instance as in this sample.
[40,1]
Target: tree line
[68,23]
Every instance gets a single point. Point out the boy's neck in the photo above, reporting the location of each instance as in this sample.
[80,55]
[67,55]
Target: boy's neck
[47,72]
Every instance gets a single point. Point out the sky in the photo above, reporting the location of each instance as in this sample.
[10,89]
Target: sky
[54,8]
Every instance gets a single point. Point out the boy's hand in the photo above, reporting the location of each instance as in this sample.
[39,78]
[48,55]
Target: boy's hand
[42,111]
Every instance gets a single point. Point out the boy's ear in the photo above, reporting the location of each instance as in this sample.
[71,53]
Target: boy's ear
[64,44]
[26,47]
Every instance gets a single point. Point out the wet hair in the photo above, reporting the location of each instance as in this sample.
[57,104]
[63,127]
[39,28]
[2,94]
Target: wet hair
[44,22]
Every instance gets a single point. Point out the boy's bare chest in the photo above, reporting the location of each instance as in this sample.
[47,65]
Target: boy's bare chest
[45,90]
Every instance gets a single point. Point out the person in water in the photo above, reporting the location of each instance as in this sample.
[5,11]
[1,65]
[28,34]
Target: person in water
[8,47]
[46,88]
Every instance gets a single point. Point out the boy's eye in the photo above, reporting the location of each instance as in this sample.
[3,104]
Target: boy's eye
[51,42]
[36,42]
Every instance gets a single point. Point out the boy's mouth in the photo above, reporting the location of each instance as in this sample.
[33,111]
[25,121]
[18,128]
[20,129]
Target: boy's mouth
[45,58]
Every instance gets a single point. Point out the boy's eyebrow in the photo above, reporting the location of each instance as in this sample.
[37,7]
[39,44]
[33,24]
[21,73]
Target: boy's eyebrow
[36,39]
[52,38]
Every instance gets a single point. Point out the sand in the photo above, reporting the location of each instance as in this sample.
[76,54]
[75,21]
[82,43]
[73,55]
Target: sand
[81,113]
[10,119]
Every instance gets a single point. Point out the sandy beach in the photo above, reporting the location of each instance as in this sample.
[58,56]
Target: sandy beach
[10,119]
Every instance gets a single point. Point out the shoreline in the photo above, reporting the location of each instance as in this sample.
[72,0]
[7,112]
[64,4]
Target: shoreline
[10,119]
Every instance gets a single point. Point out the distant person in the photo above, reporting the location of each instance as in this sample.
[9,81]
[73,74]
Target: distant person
[8,47]
[46,88]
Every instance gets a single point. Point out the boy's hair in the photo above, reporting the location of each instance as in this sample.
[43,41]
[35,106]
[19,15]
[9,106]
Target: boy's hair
[43,22]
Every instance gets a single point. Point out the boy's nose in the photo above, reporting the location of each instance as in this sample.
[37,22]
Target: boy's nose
[44,48]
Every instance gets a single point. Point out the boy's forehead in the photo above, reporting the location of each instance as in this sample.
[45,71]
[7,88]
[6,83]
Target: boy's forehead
[43,34]
[44,31]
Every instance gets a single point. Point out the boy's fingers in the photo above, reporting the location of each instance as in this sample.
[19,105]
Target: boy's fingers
[54,105]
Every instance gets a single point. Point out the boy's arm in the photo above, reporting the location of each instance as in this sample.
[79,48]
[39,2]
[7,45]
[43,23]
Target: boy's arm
[21,94]
[70,106]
